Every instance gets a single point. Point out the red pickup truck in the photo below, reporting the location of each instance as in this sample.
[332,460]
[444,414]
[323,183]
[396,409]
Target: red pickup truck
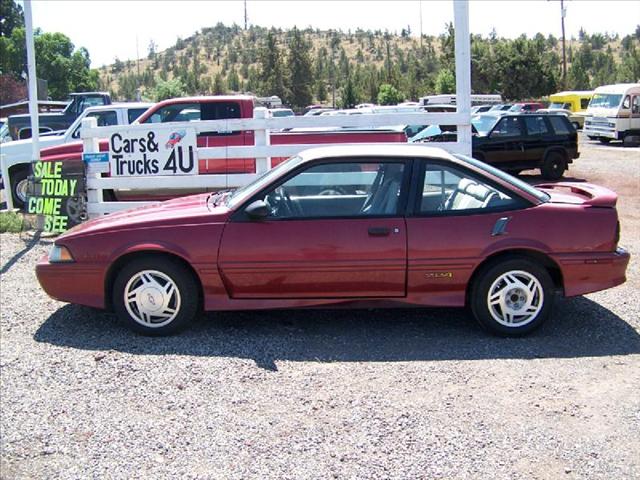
[193,109]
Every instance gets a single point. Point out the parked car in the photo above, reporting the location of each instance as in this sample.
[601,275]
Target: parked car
[281,112]
[20,125]
[576,119]
[614,114]
[17,154]
[317,111]
[525,107]
[393,240]
[514,142]
[480,109]
[504,107]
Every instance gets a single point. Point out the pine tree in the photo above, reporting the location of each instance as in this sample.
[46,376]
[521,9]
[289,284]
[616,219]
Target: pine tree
[299,67]
[271,78]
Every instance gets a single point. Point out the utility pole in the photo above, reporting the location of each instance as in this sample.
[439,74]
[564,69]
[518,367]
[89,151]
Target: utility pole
[138,96]
[420,2]
[563,13]
[246,18]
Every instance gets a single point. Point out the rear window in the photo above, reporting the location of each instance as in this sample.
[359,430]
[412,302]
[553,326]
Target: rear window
[584,103]
[560,124]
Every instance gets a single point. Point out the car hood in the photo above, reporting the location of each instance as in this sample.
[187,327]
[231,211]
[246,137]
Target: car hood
[586,194]
[189,210]
[20,146]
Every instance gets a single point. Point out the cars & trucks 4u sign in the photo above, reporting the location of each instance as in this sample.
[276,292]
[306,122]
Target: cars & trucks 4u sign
[57,195]
[161,151]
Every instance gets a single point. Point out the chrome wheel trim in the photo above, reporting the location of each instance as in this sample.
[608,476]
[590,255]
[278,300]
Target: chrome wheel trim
[21,190]
[515,298]
[152,298]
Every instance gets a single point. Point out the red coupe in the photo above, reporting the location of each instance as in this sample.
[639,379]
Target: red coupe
[349,226]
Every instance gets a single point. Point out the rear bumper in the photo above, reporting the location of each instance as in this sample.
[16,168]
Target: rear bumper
[587,273]
[73,283]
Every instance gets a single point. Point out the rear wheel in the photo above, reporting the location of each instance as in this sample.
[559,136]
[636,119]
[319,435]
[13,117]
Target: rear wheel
[512,297]
[553,166]
[155,296]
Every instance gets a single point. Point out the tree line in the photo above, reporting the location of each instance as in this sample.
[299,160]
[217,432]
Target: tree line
[346,68]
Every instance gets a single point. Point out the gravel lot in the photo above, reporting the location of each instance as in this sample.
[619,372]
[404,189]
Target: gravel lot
[313,394]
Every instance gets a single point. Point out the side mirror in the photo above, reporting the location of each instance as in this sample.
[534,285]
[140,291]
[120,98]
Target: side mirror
[258,210]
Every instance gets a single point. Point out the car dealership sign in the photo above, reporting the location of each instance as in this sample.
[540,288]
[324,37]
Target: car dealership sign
[161,151]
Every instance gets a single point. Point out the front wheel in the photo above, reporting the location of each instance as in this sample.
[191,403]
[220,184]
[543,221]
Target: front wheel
[513,297]
[19,188]
[155,296]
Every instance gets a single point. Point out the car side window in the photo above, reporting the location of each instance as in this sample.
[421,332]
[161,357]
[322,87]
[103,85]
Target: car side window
[103,119]
[635,107]
[134,113]
[584,103]
[559,124]
[449,190]
[354,189]
[626,103]
[507,127]
[536,125]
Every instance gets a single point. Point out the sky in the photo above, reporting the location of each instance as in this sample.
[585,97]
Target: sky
[110,29]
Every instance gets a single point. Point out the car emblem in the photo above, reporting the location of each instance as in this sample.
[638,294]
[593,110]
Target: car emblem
[152,300]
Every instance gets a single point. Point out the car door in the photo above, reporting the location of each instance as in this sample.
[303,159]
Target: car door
[455,217]
[505,142]
[538,138]
[334,230]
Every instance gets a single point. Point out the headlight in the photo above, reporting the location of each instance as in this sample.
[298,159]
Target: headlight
[60,254]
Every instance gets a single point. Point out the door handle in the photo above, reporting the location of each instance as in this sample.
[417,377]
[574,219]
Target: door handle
[379,231]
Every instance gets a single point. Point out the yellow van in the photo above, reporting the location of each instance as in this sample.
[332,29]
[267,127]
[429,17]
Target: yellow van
[574,101]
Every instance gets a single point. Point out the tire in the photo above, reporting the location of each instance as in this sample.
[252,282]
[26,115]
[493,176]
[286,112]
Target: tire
[631,140]
[496,304]
[18,181]
[604,140]
[152,276]
[553,166]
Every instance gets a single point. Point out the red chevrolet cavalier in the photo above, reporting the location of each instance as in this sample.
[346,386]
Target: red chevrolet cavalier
[366,225]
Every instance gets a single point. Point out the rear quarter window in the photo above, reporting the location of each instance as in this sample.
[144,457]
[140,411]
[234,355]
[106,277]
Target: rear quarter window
[535,125]
[560,125]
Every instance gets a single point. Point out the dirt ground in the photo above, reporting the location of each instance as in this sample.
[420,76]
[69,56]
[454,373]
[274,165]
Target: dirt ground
[398,394]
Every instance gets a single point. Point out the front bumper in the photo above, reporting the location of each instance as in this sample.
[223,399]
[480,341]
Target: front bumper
[587,273]
[73,282]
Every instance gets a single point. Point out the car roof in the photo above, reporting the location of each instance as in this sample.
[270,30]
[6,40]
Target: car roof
[617,88]
[376,150]
[99,108]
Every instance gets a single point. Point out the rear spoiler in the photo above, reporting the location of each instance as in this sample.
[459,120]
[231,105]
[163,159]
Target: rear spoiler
[594,195]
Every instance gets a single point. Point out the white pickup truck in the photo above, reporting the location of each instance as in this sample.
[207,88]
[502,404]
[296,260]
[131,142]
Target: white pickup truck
[16,156]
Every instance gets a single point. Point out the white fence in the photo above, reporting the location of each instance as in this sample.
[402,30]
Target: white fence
[262,125]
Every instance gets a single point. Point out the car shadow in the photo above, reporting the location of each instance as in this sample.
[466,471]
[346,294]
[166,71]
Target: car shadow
[579,328]
[28,245]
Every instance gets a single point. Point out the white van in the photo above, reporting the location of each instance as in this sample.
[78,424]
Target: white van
[614,114]
[450,99]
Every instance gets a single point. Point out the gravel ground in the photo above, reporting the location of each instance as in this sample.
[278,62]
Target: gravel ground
[333,394]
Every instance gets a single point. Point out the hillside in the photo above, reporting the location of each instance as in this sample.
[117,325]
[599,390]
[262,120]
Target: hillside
[310,65]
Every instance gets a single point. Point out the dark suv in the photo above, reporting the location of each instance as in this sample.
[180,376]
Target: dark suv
[518,141]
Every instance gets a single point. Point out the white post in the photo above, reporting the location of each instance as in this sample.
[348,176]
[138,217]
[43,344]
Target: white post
[463,71]
[91,145]
[262,139]
[33,83]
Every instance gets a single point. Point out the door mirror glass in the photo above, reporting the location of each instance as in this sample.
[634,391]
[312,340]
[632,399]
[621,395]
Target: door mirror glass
[258,210]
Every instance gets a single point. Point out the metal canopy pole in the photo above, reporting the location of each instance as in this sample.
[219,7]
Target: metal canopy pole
[463,71]
[33,83]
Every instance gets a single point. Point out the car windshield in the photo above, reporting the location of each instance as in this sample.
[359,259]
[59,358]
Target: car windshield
[543,197]
[244,193]
[605,100]
[484,123]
